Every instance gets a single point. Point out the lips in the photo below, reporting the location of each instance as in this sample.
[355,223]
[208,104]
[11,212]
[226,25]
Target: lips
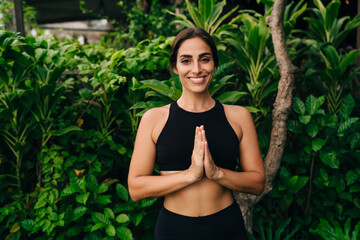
[197,80]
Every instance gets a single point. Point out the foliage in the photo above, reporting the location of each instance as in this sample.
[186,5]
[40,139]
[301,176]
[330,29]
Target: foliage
[206,16]
[326,27]
[62,143]
[69,115]
[336,232]
[281,231]
[140,25]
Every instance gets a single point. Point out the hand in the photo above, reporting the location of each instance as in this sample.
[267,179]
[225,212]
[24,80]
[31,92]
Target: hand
[196,168]
[211,170]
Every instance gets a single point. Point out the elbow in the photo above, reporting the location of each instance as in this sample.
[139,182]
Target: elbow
[260,186]
[133,192]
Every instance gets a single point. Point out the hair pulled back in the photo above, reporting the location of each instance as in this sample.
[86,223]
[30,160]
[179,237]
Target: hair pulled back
[189,33]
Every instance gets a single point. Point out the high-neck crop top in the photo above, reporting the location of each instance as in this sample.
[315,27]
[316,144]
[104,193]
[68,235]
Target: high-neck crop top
[176,141]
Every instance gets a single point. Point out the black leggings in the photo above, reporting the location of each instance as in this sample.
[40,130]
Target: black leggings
[227,224]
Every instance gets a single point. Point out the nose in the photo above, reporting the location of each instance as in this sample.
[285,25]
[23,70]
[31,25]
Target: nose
[196,67]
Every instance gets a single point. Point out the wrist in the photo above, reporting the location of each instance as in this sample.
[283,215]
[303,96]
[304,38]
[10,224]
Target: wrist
[218,174]
[191,177]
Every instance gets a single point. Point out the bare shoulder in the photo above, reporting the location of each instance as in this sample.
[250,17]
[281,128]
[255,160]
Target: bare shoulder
[154,120]
[155,114]
[237,113]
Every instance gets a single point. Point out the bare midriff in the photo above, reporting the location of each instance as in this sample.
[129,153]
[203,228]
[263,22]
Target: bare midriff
[202,198]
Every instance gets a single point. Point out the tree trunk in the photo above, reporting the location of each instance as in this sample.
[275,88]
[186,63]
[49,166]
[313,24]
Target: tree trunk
[282,107]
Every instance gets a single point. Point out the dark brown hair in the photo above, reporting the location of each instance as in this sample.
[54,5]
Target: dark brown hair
[189,33]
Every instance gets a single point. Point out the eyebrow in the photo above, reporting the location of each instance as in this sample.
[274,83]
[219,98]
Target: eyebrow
[190,56]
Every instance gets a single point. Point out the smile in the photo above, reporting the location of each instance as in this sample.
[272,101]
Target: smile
[197,79]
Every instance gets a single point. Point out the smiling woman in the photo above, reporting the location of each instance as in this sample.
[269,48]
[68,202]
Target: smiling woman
[196,142]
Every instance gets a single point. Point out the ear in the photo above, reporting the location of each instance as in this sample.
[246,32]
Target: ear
[175,70]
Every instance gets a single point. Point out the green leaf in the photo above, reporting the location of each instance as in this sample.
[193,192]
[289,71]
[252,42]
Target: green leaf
[40,204]
[124,233]
[97,226]
[305,119]
[103,188]
[298,106]
[330,158]
[195,15]
[347,124]
[69,191]
[122,218]
[109,213]
[312,129]
[231,97]
[40,53]
[92,184]
[347,106]
[137,218]
[27,224]
[122,192]
[206,7]
[295,126]
[63,131]
[351,176]
[158,86]
[310,104]
[110,230]
[354,140]
[214,15]
[317,144]
[147,202]
[82,198]
[100,218]
[78,213]
[104,200]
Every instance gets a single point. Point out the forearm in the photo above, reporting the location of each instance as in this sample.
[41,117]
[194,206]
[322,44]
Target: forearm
[155,186]
[248,182]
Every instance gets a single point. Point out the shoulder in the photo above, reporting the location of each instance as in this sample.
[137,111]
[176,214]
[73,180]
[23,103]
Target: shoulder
[237,113]
[155,114]
[154,120]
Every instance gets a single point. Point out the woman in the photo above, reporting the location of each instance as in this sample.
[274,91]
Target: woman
[196,141]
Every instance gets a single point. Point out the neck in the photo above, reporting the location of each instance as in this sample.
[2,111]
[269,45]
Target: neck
[196,102]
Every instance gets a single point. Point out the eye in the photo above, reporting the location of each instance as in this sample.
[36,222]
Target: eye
[205,60]
[185,61]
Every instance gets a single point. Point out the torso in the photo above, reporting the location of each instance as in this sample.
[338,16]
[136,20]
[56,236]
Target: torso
[206,196]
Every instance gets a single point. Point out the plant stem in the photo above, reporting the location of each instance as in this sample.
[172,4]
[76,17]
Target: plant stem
[310,185]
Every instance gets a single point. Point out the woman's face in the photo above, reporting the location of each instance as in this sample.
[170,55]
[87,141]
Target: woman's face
[195,65]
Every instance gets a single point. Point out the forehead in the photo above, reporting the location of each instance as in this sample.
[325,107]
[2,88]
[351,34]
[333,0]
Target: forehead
[194,47]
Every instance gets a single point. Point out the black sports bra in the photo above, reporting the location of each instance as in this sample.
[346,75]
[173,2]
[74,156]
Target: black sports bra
[176,141]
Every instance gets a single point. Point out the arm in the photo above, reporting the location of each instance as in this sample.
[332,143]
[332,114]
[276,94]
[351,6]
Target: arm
[140,180]
[252,179]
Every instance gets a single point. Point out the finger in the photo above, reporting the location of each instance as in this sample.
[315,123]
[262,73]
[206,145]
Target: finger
[196,140]
[207,151]
[203,135]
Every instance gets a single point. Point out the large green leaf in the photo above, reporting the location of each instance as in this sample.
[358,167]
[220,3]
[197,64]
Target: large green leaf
[332,10]
[78,213]
[317,144]
[65,130]
[122,192]
[100,218]
[206,7]
[122,218]
[298,106]
[124,233]
[110,230]
[231,97]
[92,184]
[195,15]
[330,158]
[347,124]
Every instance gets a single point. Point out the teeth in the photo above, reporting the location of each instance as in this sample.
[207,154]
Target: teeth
[198,79]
